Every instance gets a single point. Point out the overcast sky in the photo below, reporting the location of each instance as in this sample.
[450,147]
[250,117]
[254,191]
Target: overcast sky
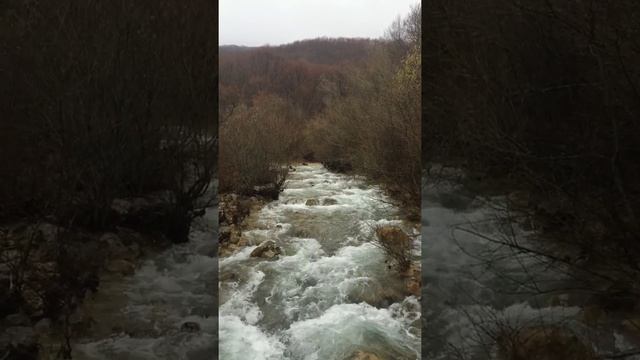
[275,22]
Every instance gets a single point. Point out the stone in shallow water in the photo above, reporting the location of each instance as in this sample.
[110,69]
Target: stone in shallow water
[329,201]
[312,202]
[267,249]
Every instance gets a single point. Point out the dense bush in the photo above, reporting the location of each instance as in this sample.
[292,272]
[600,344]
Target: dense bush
[256,143]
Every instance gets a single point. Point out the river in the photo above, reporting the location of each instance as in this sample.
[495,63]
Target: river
[330,294]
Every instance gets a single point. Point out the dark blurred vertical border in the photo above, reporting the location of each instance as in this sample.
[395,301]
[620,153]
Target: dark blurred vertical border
[530,119]
[100,100]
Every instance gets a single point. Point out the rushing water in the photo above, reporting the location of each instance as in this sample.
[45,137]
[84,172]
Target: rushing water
[472,287]
[140,317]
[330,294]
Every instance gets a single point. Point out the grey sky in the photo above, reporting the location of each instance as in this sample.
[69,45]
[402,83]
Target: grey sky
[275,22]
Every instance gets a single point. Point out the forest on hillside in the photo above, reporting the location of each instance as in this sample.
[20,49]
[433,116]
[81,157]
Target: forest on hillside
[352,104]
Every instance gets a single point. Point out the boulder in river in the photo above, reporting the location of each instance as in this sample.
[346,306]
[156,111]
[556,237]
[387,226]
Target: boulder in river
[267,250]
[329,201]
[312,202]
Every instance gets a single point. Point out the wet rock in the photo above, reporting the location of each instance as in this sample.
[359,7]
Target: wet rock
[376,295]
[329,201]
[267,249]
[121,266]
[190,326]
[228,276]
[312,202]
[18,319]
[363,355]
[544,343]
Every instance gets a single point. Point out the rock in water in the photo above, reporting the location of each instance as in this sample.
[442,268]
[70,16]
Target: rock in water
[312,202]
[267,249]
[190,326]
[329,201]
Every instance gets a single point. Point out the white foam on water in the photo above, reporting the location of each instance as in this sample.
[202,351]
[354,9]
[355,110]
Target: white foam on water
[240,341]
[239,304]
[346,328]
[329,264]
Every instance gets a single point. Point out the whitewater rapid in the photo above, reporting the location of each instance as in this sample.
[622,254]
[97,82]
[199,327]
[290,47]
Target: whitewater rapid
[330,294]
